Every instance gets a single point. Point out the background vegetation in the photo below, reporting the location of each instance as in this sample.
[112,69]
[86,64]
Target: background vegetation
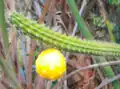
[85,19]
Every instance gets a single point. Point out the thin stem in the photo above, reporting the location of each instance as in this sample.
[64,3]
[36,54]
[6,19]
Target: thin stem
[107,81]
[80,12]
[81,24]
[10,73]
[3,27]
[88,67]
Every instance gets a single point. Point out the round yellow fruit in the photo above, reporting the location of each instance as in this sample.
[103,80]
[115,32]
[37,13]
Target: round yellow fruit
[51,64]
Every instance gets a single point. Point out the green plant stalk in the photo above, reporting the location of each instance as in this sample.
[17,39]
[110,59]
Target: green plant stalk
[112,38]
[3,27]
[64,42]
[110,28]
[107,70]
[81,24]
[67,43]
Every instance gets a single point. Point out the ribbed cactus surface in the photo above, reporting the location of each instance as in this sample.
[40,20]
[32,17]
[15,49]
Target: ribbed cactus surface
[63,42]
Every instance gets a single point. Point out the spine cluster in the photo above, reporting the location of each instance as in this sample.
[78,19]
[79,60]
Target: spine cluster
[63,42]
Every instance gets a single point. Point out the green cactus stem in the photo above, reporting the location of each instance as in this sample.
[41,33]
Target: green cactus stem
[63,42]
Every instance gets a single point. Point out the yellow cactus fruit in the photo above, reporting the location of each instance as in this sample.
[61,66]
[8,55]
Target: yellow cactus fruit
[51,64]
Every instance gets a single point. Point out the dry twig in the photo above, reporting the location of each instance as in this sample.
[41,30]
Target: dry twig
[45,10]
[88,67]
[107,81]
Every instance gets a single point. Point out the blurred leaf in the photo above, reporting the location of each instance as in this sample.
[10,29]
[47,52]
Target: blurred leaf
[114,2]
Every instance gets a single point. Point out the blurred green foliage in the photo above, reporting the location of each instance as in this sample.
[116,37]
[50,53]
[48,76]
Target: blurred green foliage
[114,2]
